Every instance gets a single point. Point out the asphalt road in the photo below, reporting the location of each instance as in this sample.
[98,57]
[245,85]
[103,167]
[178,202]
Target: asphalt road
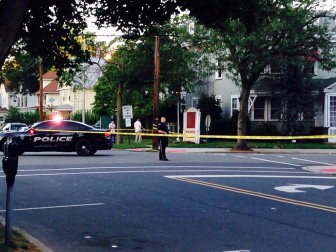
[130,201]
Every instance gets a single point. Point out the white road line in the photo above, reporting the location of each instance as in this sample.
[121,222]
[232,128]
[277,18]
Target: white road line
[55,207]
[311,161]
[272,161]
[151,171]
[249,176]
[239,156]
[154,167]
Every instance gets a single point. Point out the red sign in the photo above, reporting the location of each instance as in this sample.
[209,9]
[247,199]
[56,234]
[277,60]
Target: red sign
[191,117]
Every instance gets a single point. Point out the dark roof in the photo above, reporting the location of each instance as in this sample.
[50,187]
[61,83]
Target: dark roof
[265,84]
[51,87]
[321,84]
[50,75]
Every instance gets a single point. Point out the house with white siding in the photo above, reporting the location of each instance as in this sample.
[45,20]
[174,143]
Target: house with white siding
[57,98]
[10,97]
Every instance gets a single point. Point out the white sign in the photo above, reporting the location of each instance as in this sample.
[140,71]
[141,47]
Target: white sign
[128,122]
[293,188]
[127,112]
[192,125]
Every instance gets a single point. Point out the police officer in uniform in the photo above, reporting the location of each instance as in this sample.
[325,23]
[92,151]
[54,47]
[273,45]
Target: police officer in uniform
[163,140]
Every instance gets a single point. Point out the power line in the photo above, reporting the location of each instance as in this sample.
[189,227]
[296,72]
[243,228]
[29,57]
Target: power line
[23,69]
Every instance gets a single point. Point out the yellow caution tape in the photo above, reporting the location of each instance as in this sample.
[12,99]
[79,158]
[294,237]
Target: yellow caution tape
[175,135]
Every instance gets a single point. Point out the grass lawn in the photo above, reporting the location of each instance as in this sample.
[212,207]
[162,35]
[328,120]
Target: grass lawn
[20,242]
[285,144]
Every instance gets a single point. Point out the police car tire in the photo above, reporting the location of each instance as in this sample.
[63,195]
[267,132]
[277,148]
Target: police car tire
[87,150]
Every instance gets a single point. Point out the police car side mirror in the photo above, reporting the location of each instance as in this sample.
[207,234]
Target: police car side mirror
[10,159]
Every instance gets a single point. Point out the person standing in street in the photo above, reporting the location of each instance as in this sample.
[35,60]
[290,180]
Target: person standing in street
[163,140]
[138,128]
[112,128]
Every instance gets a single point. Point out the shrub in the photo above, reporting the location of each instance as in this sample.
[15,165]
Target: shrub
[266,129]
[90,118]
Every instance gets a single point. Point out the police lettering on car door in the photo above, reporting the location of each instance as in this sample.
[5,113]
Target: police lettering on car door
[53,139]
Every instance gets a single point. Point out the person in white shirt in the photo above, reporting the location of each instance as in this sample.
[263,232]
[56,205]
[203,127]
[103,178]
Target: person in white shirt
[137,128]
[112,128]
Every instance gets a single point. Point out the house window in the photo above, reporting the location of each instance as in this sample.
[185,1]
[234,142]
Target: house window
[332,115]
[218,99]
[275,108]
[1,118]
[25,101]
[234,103]
[259,109]
[218,74]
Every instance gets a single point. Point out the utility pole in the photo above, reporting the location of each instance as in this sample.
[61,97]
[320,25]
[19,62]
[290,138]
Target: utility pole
[41,88]
[156,89]
[83,87]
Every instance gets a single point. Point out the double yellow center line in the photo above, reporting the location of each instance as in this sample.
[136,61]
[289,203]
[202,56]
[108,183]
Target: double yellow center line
[258,194]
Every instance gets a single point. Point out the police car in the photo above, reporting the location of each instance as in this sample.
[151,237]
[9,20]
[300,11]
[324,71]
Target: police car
[60,135]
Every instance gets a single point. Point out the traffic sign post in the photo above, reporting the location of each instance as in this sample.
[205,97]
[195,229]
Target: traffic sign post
[127,112]
[128,115]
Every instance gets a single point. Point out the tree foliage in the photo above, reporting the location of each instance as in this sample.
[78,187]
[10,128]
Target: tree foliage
[287,29]
[296,94]
[49,28]
[15,115]
[132,64]
[208,105]
[22,72]
[44,28]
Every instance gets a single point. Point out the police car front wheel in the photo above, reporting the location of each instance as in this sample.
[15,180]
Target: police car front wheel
[85,148]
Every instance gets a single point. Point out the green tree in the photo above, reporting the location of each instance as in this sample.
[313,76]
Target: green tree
[208,105]
[131,71]
[48,28]
[14,115]
[286,29]
[295,92]
[30,117]
[22,72]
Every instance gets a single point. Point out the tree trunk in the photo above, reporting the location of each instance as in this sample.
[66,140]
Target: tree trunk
[12,13]
[119,112]
[242,118]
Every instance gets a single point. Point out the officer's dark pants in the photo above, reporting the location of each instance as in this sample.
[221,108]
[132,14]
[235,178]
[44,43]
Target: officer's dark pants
[162,152]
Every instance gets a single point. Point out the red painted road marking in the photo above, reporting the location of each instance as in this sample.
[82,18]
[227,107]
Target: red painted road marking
[331,170]
[176,151]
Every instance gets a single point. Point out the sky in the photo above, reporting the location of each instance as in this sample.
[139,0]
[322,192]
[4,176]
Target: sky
[103,34]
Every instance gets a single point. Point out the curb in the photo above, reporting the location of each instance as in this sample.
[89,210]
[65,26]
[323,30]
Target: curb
[252,151]
[39,245]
